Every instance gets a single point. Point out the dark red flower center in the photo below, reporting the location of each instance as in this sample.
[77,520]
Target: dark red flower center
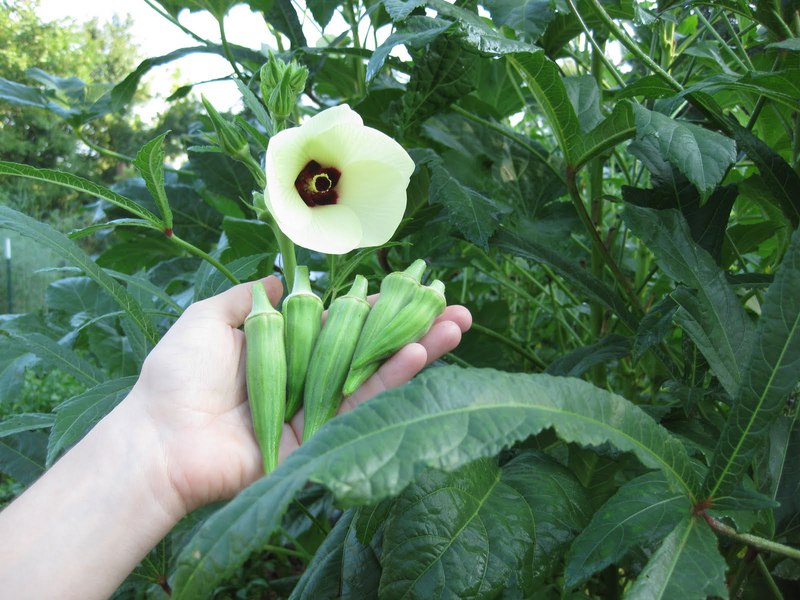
[317,184]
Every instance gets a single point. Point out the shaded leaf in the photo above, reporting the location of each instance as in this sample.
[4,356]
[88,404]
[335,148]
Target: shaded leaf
[641,511]
[25,422]
[75,416]
[528,17]
[710,312]
[416,32]
[445,418]
[769,376]
[481,531]
[702,155]
[778,176]
[400,9]
[688,565]
[584,94]
[580,360]
[22,456]
[56,356]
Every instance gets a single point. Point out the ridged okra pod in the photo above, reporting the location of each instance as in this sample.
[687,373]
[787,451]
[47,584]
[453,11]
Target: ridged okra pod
[332,355]
[266,374]
[409,325]
[397,290]
[302,312]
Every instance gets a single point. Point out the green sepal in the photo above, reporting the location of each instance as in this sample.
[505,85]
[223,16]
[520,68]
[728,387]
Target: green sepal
[332,354]
[266,374]
[302,311]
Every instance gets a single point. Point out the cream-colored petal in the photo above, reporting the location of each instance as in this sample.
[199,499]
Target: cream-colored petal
[376,192]
[286,156]
[328,118]
[332,229]
[285,159]
[345,144]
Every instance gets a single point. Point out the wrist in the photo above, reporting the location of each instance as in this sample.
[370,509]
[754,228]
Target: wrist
[144,456]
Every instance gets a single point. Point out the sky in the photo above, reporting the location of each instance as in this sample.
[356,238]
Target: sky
[156,36]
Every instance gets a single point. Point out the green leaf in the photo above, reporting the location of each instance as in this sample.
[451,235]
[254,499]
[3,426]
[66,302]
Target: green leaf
[702,155]
[778,176]
[113,224]
[649,86]
[587,285]
[79,184]
[416,32]
[322,577]
[66,248]
[688,565]
[654,326]
[255,105]
[283,17]
[710,312]
[616,128]
[22,456]
[475,215]
[400,9]
[13,363]
[323,10]
[584,94]
[476,33]
[481,531]
[543,79]
[75,416]
[528,17]
[790,44]
[642,510]
[25,422]
[247,237]
[770,375]
[444,419]
[442,74]
[786,481]
[56,356]
[210,281]
[150,164]
[580,360]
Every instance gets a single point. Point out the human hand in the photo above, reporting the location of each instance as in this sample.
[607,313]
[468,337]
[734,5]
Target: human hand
[192,393]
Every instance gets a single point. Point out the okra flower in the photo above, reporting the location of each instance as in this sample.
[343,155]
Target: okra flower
[334,184]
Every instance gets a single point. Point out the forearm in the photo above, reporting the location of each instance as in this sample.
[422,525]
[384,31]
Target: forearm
[86,523]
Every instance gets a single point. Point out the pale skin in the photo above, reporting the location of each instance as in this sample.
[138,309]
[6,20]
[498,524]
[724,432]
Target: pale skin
[181,439]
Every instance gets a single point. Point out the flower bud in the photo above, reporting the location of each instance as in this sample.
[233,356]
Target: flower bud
[230,138]
[281,85]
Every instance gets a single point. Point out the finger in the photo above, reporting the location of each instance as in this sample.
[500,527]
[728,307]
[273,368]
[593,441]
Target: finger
[400,368]
[459,315]
[441,339]
[232,306]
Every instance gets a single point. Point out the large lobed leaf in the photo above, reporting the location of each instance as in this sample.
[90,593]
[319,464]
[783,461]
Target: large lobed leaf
[770,375]
[686,566]
[710,313]
[702,155]
[482,530]
[642,510]
[444,419]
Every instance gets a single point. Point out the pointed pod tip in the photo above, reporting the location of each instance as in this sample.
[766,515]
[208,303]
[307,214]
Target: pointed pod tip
[359,287]
[416,269]
[261,303]
[437,286]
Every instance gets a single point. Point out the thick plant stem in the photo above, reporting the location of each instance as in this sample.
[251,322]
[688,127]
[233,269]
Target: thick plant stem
[577,202]
[751,540]
[192,249]
[288,256]
[596,199]
[632,46]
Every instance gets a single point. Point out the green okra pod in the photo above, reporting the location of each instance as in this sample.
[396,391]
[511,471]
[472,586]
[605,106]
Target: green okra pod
[332,355]
[302,311]
[397,290]
[266,374]
[409,325]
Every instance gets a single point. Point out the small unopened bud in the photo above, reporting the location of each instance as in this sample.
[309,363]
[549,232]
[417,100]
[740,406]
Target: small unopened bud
[230,138]
[281,85]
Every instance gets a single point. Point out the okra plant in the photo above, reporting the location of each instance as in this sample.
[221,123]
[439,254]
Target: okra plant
[611,188]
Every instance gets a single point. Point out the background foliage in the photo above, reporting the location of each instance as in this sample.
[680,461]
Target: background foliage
[610,186]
